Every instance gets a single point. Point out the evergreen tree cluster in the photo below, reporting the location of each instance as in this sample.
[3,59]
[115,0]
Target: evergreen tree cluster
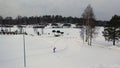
[112,30]
[44,20]
[39,20]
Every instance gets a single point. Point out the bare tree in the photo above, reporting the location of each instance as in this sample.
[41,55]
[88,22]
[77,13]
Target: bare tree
[89,24]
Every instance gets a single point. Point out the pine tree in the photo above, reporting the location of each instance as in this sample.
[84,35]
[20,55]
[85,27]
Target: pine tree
[112,30]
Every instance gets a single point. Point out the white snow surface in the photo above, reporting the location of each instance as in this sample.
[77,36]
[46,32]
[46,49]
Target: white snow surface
[71,52]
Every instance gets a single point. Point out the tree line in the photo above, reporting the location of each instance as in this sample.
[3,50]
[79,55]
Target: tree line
[44,20]
[19,20]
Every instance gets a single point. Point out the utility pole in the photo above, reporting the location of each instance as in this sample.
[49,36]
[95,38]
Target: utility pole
[24,49]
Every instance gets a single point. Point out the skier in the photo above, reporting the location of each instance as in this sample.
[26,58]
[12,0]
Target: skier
[54,49]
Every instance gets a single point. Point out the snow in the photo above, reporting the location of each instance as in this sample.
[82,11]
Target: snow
[71,52]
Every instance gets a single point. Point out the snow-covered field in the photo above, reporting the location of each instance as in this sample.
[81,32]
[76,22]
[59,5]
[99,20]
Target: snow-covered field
[71,52]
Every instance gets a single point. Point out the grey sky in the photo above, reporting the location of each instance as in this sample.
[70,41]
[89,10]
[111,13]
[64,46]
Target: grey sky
[103,9]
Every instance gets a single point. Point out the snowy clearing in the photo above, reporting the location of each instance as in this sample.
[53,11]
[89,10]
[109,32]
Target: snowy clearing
[71,52]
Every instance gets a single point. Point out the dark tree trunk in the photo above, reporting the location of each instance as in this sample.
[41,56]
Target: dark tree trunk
[114,38]
[114,42]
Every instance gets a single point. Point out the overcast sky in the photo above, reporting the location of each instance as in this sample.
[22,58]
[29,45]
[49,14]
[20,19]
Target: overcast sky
[103,9]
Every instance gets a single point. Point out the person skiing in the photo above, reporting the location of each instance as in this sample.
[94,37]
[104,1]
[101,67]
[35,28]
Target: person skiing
[54,49]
